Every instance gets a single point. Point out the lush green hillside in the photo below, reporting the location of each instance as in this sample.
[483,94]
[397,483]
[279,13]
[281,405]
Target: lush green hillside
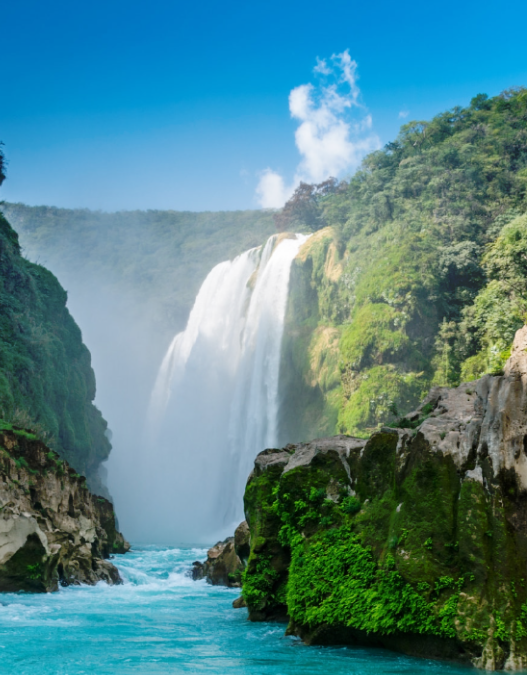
[46,380]
[415,277]
[418,276]
[159,257]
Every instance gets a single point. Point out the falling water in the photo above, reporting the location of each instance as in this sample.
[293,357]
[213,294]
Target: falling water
[215,402]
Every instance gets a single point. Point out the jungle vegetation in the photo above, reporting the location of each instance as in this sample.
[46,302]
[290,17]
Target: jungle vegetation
[416,273]
[160,258]
[47,384]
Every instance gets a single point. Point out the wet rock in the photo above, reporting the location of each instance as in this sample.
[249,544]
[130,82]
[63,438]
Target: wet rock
[223,567]
[198,570]
[242,541]
[239,603]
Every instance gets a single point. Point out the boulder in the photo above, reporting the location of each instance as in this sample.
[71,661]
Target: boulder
[414,539]
[223,567]
[52,528]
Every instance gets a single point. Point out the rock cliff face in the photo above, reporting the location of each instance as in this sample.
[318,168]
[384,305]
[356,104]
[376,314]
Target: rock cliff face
[52,529]
[415,539]
[46,378]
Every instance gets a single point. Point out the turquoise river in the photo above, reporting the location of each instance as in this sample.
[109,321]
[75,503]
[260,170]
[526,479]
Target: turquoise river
[160,621]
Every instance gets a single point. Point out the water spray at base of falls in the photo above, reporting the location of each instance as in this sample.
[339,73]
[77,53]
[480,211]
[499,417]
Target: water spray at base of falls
[215,402]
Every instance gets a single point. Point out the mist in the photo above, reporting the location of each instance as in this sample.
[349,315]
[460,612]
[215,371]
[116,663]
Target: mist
[132,281]
[215,403]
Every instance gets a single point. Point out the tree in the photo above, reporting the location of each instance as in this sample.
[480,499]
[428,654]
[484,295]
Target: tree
[304,207]
[2,164]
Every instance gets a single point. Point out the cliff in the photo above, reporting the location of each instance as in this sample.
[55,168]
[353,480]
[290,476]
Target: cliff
[417,277]
[46,379]
[414,539]
[52,528]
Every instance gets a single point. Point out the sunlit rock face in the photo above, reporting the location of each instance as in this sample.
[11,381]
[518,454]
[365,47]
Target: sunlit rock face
[52,528]
[414,539]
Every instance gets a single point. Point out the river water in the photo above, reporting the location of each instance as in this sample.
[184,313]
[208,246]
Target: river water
[161,622]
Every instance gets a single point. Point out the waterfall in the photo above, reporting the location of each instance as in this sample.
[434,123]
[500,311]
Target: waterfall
[215,402]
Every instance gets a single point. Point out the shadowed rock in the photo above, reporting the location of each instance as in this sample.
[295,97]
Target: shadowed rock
[414,539]
[52,528]
[223,566]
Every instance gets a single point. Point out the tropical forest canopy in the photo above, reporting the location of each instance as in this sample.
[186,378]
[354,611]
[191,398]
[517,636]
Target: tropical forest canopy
[415,275]
[420,262]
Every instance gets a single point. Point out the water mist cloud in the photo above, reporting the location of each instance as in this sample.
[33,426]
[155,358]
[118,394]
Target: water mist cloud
[334,131]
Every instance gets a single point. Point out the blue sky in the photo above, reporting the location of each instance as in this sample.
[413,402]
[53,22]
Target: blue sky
[123,105]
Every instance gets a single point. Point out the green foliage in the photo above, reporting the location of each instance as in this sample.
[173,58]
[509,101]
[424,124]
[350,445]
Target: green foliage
[260,584]
[350,505]
[335,580]
[370,396]
[422,269]
[158,258]
[304,209]
[46,381]
[34,572]
[7,426]
[21,463]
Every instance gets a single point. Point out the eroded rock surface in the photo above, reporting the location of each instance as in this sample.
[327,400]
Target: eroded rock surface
[414,539]
[52,529]
[224,566]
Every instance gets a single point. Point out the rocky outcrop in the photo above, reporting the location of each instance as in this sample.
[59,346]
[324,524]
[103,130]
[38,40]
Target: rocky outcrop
[52,529]
[414,539]
[226,560]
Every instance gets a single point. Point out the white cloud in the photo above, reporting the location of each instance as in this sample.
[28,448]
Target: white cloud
[334,131]
[271,191]
[322,67]
[403,114]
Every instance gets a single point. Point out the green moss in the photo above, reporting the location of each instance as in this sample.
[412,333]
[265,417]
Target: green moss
[415,551]
[34,572]
[335,580]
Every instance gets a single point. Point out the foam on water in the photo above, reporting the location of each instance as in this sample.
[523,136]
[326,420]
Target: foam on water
[161,622]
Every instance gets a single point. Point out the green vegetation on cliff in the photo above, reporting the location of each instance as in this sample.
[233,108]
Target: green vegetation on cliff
[419,276]
[46,379]
[160,258]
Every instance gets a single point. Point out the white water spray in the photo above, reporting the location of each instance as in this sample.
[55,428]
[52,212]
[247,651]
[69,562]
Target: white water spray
[215,402]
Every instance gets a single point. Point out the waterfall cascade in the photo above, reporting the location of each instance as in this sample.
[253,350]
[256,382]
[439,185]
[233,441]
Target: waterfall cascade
[214,405]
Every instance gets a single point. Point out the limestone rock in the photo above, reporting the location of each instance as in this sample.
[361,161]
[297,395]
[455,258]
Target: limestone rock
[223,567]
[52,529]
[429,518]
[242,541]
[239,603]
